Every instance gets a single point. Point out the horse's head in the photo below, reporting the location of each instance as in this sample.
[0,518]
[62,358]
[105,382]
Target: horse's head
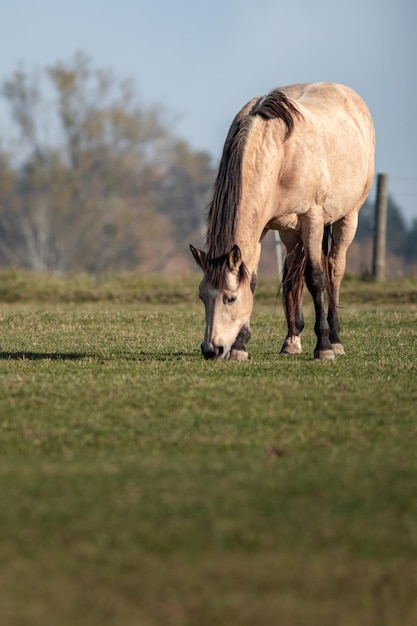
[228,303]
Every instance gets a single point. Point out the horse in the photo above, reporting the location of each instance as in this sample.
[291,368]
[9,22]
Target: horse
[299,160]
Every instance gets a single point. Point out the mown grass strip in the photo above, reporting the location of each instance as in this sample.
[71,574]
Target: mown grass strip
[140,484]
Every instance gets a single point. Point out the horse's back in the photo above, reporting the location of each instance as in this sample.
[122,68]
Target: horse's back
[331,151]
[316,96]
[328,104]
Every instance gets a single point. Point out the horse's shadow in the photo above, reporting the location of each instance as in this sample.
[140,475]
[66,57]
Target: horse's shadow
[78,356]
[40,356]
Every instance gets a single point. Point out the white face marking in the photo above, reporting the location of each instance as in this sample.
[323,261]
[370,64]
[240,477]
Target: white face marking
[212,293]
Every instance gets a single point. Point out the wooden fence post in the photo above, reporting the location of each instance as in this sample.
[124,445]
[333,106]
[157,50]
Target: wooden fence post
[380,228]
[280,255]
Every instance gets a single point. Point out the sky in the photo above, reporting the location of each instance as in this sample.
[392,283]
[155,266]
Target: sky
[204,60]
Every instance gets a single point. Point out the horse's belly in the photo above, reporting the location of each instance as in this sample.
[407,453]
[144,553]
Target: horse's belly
[333,214]
[290,221]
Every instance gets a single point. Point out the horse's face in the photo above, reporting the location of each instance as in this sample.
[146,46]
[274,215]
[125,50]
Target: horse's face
[228,310]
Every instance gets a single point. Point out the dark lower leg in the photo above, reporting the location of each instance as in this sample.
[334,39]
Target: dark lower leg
[316,283]
[333,319]
[292,292]
[242,339]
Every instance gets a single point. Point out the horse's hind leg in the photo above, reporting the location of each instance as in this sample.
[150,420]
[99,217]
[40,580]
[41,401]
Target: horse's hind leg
[292,292]
[343,233]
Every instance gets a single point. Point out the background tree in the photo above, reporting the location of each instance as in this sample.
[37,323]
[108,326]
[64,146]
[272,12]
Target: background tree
[401,239]
[410,244]
[185,190]
[101,182]
[93,180]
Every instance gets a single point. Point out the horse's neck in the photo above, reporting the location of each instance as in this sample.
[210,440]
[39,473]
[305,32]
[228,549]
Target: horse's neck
[261,164]
[254,210]
[248,237]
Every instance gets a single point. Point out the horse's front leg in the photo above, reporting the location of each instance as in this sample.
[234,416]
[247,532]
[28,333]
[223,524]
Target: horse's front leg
[239,351]
[313,231]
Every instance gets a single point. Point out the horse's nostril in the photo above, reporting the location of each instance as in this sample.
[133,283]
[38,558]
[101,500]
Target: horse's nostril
[208,352]
[219,350]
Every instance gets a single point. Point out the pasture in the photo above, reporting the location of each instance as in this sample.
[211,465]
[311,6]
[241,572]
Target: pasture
[143,486]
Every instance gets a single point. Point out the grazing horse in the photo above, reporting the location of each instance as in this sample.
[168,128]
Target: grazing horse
[299,160]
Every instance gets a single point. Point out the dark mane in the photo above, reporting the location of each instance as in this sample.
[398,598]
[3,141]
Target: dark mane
[276,105]
[224,207]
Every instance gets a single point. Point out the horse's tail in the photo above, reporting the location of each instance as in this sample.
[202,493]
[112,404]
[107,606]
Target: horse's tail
[293,281]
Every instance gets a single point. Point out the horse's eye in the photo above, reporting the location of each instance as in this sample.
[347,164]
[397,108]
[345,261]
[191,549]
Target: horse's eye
[231,299]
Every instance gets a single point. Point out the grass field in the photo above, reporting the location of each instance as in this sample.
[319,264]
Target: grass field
[143,486]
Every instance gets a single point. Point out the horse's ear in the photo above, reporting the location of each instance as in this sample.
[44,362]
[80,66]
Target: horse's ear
[199,257]
[234,260]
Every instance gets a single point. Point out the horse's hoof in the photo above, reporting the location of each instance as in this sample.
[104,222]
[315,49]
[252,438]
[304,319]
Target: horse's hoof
[292,345]
[238,355]
[324,355]
[338,349]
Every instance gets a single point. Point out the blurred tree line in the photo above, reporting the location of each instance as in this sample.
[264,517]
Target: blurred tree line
[92,180]
[401,245]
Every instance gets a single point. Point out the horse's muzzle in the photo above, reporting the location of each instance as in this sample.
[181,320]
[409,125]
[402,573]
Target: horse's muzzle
[212,352]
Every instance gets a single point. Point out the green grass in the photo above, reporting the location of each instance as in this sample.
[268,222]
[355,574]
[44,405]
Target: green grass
[141,485]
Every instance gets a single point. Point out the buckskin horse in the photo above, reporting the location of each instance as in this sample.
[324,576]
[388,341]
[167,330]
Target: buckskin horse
[299,160]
